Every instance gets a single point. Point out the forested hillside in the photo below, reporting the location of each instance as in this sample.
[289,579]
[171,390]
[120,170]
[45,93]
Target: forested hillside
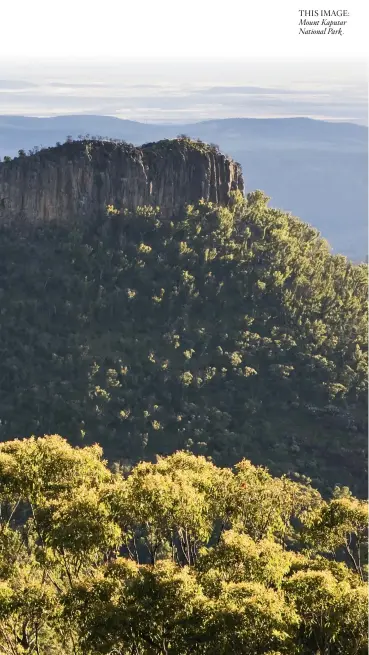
[177,557]
[228,332]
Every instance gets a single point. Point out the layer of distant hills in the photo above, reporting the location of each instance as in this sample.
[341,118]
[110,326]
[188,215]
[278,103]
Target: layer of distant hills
[315,169]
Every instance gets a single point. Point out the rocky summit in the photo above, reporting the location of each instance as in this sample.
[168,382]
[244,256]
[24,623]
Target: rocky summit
[80,178]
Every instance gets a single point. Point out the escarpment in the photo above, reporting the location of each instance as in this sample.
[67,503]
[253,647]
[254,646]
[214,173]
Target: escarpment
[80,178]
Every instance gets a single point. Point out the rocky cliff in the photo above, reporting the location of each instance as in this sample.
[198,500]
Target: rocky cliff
[80,178]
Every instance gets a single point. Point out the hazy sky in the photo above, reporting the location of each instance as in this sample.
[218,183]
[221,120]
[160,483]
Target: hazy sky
[185,90]
[161,60]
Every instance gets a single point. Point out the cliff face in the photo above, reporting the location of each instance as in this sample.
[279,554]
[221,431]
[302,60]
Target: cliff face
[79,179]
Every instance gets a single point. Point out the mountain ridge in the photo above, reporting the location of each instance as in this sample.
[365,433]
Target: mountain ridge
[81,178]
[316,170]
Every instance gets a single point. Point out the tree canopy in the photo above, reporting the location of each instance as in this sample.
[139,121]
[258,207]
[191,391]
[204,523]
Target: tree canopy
[178,556]
[228,332]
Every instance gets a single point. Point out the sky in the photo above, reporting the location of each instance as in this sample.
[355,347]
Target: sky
[168,61]
[185,91]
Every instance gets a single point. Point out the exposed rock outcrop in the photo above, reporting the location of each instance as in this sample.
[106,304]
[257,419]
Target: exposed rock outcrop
[80,178]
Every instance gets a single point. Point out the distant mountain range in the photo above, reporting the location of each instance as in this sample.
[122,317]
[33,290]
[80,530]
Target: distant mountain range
[315,169]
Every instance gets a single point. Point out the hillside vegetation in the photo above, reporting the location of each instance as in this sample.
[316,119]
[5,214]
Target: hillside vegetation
[228,332]
[178,557]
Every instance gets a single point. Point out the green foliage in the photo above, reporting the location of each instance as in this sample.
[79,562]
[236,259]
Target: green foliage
[332,526]
[228,332]
[161,560]
[334,615]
